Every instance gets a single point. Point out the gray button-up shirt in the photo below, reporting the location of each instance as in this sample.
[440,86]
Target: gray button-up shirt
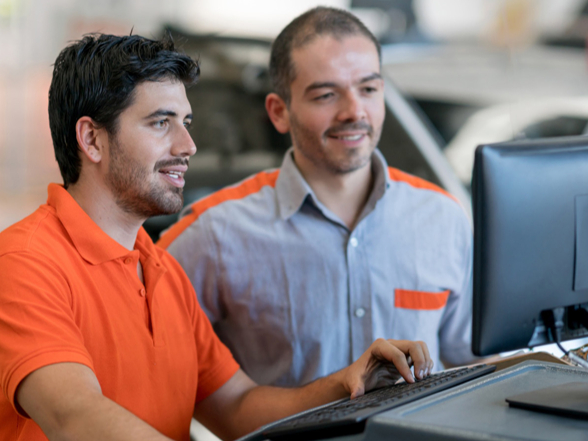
[296,295]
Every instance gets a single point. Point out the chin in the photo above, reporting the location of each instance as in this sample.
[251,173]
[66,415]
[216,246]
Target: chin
[173,207]
[164,204]
[351,163]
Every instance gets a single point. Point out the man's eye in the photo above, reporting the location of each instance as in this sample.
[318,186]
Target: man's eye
[324,96]
[187,124]
[370,89]
[160,124]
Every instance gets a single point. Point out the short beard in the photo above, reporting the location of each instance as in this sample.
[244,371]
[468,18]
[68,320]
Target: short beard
[312,149]
[130,184]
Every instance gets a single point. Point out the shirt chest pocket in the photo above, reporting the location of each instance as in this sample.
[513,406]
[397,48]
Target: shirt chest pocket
[418,314]
[420,300]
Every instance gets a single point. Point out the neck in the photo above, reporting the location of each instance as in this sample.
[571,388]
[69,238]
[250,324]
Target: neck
[99,203]
[345,194]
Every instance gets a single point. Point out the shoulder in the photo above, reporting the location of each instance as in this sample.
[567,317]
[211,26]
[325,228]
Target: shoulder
[38,232]
[34,258]
[420,194]
[417,184]
[426,204]
[238,193]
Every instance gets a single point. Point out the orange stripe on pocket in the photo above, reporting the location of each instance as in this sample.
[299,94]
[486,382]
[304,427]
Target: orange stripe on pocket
[404,298]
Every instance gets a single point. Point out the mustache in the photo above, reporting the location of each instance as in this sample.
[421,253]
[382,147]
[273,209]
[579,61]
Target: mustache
[171,163]
[345,127]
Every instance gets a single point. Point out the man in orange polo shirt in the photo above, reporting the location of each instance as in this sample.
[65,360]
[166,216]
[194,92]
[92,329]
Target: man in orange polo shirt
[101,335]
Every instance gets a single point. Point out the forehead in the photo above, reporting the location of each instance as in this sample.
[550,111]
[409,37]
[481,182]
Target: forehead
[327,58]
[152,95]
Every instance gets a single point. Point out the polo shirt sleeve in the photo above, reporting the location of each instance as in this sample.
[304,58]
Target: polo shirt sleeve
[37,326]
[216,365]
[455,334]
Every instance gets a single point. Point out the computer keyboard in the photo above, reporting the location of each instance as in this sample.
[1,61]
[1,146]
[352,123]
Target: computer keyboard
[349,416]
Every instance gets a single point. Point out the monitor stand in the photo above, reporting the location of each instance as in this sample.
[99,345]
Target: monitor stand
[568,399]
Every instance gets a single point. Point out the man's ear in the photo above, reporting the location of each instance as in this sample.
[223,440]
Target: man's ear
[91,139]
[277,111]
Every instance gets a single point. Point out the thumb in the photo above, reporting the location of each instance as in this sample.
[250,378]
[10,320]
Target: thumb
[357,388]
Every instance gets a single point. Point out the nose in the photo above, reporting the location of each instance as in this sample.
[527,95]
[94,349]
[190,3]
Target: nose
[352,107]
[183,145]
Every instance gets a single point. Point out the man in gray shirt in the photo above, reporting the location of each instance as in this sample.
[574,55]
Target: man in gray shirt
[301,268]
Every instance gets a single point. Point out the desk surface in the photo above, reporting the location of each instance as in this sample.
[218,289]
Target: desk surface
[478,411]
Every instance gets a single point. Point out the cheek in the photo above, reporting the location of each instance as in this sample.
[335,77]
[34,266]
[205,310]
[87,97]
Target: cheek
[322,120]
[312,123]
[378,113]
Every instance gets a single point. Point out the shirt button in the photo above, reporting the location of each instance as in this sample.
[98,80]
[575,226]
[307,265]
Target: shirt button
[359,312]
[128,260]
[353,242]
[142,292]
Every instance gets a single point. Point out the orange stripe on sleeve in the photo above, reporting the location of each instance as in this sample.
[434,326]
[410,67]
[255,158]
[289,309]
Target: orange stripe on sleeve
[400,176]
[239,191]
[422,300]
[178,228]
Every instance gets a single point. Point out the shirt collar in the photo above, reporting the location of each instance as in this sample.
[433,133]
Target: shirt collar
[93,244]
[381,178]
[292,189]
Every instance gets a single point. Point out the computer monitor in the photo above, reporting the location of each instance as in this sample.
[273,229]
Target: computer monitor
[530,200]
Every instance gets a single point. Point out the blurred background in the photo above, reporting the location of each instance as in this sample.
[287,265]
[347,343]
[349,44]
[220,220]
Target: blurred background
[458,72]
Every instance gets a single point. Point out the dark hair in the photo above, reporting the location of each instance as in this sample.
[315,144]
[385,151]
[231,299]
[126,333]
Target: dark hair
[303,30]
[96,77]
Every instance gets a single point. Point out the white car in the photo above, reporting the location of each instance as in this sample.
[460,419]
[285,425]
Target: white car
[539,118]
[476,94]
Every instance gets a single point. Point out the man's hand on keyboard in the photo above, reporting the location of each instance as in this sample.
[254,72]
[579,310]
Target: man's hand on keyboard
[240,405]
[384,363]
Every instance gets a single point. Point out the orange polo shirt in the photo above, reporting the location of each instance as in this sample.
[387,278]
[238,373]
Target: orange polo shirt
[70,293]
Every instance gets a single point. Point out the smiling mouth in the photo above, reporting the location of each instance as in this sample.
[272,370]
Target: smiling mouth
[349,137]
[173,174]
[350,132]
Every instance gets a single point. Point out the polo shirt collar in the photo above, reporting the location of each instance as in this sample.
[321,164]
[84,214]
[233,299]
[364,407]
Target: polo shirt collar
[292,189]
[93,244]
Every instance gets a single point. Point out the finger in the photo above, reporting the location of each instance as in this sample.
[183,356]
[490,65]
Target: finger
[391,352]
[419,352]
[419,359]
[430,362]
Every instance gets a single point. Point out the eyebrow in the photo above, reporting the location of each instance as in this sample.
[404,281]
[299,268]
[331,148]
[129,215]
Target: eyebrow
[320,85]
[374,76]
[163,112]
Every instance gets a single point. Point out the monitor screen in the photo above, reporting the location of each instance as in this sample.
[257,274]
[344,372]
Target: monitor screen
[530,202]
